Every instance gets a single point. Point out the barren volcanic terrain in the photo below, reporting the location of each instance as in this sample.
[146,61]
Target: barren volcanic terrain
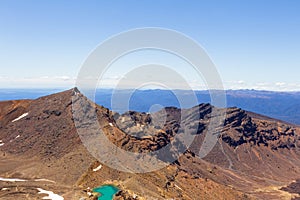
[255,157]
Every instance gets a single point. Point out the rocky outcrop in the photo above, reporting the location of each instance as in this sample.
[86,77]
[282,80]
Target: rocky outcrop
[240,128]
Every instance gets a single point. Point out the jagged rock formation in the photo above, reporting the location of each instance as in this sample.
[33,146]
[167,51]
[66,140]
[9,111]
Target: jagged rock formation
[258,132]
[252,152]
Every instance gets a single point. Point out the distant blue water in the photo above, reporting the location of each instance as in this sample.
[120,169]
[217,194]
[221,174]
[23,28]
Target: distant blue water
[16,94]
[107,192]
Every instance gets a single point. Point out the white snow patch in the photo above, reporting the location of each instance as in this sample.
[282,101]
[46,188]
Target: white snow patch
[111,124]
[17,136]
[3,189]
[51,195]
[1,143]
[43,179]
[178,187]
[89,194]
[97,168]
[12,179]
[22,116]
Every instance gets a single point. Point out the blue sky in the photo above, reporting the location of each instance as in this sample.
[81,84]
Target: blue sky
[254,44]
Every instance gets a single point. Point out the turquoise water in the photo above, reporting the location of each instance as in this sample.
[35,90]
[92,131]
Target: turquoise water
[107,192]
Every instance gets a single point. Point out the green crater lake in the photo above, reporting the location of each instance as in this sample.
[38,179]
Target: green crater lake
[107,192]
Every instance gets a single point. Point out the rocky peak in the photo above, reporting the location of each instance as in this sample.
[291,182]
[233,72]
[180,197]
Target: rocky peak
[240,129]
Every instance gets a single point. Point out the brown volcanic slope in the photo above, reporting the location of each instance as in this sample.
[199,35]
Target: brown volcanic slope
[9,110]
[254,158]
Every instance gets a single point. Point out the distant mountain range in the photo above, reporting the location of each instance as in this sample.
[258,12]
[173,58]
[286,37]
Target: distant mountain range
[280,105]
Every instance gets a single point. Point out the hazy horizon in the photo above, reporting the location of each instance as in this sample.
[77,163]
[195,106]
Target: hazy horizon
[60,89]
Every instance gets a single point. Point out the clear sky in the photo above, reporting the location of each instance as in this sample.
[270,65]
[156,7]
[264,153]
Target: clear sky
[254,43]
